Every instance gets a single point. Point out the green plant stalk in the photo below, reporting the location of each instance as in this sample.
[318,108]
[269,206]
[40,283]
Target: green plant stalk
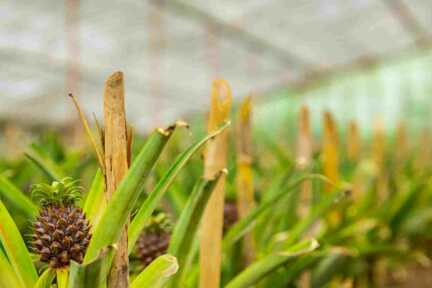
[147,208]
[118,209]
[15,249]
[157,273]
[261,268]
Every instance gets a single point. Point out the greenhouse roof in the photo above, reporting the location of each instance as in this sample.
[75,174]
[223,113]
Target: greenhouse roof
[170,51]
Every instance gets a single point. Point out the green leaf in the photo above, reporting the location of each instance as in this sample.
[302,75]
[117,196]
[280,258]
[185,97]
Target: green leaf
[8,278]
[258,270]
[155,196]
[187,226]
[62,278]
[418,223]
[238,230]
[16,198]
[118,209]
[92,274]
[47,166]
[45,279]
[292,272]
[16,249]
[177,198]
[360,227]
[157,273]
[328,267]
[262,229]
[317,212]
[403,204]
[95,201]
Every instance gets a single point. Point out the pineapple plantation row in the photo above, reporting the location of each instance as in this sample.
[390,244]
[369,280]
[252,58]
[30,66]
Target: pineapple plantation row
[230,207]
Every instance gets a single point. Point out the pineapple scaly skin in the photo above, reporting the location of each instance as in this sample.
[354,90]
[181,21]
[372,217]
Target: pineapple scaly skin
[152,244]
[61,234]
[154,239]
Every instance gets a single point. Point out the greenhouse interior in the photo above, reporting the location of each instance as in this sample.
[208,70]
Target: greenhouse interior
[209,144]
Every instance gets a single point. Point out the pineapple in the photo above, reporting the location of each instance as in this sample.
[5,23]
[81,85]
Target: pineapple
[61,232]
[154,240]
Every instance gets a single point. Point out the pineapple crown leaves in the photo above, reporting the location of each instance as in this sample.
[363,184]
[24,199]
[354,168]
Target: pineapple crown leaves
[158,222]
[66,191]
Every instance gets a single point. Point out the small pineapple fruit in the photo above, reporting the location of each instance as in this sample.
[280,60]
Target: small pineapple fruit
[230,214]
[154,240]
[61,232]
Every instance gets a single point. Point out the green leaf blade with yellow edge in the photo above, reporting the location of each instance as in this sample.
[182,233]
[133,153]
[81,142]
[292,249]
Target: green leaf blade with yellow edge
[261,268]
[118,209]
[157,274]
[15,197]
[186,229]
[15,249]
[156,195]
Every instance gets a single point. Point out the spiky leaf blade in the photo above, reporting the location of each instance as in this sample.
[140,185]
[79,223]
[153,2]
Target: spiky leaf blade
[238,230]
[154,197]
[45,279]
[16,198]
[157,273]
[186,228]
[118,209]
[15,249]
[7,274]
[258,270]
[95,201]
[92,274]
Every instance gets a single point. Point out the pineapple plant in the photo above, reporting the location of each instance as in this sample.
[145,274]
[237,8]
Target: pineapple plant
[154,239]
[61,236]
[373,234]
[61,228]
[61,232]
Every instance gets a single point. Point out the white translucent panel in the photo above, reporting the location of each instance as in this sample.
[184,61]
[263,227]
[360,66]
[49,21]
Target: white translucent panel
[170,52]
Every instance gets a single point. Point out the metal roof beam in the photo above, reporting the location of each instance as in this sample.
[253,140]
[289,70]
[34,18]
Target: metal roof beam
[408,21]
[235,33]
